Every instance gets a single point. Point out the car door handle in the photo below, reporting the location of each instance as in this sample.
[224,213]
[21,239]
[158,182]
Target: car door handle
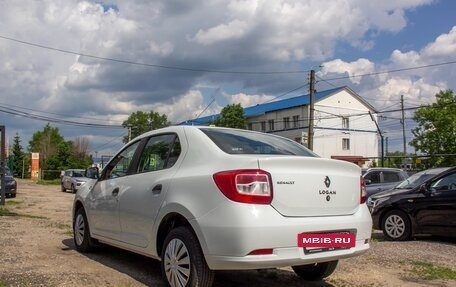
[115,191]
[157,189]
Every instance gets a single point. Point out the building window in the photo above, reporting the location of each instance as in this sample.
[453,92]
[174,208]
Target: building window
[296,121]
[345,123]
[345,144]
[263,126]
[271,125]
[286,123]
[250,126]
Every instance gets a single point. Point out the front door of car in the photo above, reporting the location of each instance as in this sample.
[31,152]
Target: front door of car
[140,204]
[104,197]
[437,210]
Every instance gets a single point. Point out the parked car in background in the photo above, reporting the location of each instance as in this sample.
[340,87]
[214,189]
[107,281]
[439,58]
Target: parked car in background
[382,178]
[423,203]
[10,184]
[204,198]
[73,179]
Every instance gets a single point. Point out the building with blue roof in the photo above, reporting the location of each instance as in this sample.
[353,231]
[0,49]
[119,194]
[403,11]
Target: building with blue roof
[343,126]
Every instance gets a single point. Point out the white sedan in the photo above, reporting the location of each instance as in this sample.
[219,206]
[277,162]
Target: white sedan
[201,199]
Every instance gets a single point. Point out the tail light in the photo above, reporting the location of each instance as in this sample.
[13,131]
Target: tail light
[363,192]
[246,186]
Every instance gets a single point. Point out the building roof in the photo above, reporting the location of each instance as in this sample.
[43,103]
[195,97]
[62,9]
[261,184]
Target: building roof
[261,109]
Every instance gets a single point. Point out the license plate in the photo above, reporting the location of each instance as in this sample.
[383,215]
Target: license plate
[319,242]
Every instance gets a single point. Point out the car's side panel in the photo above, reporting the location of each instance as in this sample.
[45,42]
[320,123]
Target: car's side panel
[139,205]
[102,207]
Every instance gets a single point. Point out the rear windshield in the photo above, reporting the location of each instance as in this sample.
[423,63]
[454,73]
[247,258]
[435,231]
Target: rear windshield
[247,142]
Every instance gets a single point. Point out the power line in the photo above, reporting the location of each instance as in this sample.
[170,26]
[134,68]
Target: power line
[8,106]
[390,71]
[54,120]
[286,93]
[150,65]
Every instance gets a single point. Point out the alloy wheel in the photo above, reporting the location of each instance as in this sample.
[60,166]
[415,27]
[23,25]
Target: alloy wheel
[395,226]
[177,263]
[79,228]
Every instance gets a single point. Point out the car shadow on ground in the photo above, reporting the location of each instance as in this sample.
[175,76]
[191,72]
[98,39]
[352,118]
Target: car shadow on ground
[147,270]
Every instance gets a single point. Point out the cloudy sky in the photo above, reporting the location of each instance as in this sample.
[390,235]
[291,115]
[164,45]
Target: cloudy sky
[93,63]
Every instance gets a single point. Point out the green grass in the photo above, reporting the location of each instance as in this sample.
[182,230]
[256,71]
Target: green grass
[6,212]
[429,271]
[13,202]
[49,181]
[3,284]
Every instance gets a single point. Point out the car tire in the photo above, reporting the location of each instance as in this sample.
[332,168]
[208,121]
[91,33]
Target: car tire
[62,188]
[396,226]
[81,232]
[183,262]
[13,195]
[317,271]
[73,189]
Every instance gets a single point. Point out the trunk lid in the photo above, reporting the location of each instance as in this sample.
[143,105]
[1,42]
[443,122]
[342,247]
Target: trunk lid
[304,186]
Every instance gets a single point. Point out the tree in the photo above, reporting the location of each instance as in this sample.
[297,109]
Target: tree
[56,154]
[140,122]
[45,142]
[18,157]
[436,131]
[232,116]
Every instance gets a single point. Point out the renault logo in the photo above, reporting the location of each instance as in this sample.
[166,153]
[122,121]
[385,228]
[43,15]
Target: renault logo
[327,182]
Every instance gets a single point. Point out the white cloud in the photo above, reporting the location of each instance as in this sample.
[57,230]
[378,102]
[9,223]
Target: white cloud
[443,46]
[222,32]
[248,100]
[358,67]
[186,107]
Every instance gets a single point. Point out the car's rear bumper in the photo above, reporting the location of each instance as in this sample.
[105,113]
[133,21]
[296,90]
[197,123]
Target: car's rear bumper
[232,231]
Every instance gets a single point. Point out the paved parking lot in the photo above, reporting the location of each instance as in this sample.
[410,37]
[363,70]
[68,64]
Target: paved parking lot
[36,249]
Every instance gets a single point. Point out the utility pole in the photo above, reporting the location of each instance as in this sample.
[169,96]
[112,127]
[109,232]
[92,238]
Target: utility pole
[311,110]
[386,148]
[403,131]
[129,133]
[381,139]
[2,165]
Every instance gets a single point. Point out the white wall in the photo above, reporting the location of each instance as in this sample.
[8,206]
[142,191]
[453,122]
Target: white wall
[328,130]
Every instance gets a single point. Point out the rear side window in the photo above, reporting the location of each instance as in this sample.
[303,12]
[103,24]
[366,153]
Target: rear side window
[373,176]
[159,153]
[391,176]
[246,142]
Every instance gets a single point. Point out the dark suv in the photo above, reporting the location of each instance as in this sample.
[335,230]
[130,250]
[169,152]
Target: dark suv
[423,203]
[10,184]
[382,178]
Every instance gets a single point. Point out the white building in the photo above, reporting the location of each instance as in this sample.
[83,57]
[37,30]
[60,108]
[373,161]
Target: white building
[343,127]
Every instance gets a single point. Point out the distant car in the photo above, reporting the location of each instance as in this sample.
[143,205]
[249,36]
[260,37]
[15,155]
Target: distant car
[10,184]
[73,179]
[423,203]
[205,198]
[382,178]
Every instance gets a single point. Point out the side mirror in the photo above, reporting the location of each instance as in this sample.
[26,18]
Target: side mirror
[424,190]
[367,181]
[92,172]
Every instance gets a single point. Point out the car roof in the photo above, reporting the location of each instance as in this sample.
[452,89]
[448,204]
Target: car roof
[383,168]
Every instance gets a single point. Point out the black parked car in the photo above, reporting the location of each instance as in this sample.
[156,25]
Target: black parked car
[423,203]
[10,184]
